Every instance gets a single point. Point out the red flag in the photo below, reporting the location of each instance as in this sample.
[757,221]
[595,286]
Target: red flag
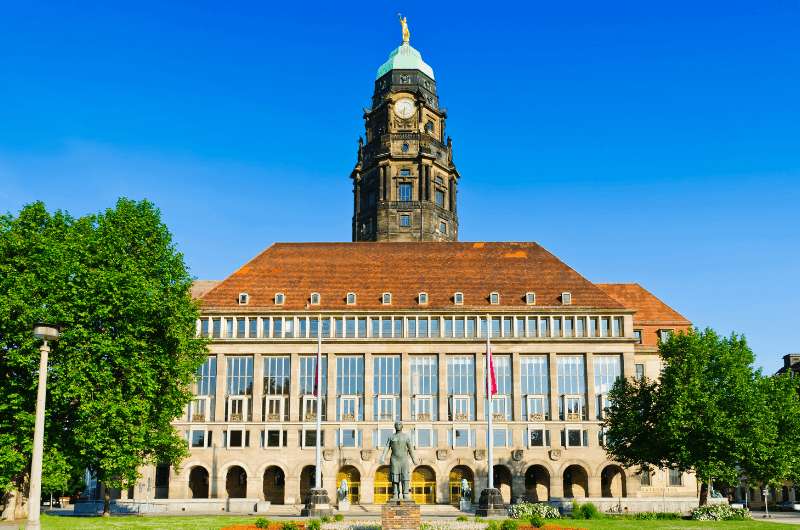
[491,379]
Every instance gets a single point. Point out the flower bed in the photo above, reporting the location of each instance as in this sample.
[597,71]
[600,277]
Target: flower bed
[720,512]
[299,525]
[526,510]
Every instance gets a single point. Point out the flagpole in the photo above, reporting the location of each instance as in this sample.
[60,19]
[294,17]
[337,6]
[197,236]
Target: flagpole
[489,437]
[318,384]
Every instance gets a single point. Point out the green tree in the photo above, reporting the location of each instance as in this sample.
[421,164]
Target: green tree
[694,417]
[122,369]
[770,455]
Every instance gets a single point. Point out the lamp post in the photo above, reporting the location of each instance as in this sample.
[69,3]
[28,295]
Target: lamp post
[45,332]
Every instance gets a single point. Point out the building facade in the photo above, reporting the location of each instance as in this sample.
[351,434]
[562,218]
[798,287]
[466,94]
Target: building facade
[404,324]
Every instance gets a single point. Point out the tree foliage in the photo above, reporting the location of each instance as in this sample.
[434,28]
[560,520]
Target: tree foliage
[710,412]
[127,355]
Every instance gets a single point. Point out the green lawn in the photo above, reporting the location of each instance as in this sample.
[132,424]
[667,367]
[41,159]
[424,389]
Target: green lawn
[215,522]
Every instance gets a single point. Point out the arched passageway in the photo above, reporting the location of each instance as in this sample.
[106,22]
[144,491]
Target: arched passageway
[457,475]
[576,482]
[353,478]
[198,482]
[236,483]
[502,481]
[612,482]
[423,485]
[383,485]
[537,484]
[274,485]
[306,481]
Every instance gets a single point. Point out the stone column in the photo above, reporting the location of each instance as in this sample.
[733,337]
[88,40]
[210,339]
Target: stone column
[557,483]
[552,366]
[220,394]
[516,388]
[258,387]
[443,397]
[294,388]
[369,387]
[255,487]
[480,385]
[594,486]
[331,408]
[591,394]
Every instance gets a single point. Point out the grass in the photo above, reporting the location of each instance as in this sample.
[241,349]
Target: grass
[215,522]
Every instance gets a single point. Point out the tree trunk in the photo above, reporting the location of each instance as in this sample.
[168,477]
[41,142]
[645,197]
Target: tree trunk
[10,505]
[703,493]
[106,502]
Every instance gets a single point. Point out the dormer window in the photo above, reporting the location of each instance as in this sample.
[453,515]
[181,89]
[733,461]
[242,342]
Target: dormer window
[244,298]
[566,298]
[314,298]
[351,298]
[530,298]
[494,298]
[458,298]
[386,298]
[280,298]
[423,298]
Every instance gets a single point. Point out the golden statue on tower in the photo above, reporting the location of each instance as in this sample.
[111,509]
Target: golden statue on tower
[404,25]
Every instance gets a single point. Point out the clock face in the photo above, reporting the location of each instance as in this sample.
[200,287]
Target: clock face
[404,108]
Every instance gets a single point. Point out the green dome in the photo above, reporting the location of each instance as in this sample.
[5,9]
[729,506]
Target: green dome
[405,58]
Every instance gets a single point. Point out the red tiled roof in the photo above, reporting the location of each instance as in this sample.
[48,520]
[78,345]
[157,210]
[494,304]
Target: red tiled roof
[649,309]
[201,287]
[405,269]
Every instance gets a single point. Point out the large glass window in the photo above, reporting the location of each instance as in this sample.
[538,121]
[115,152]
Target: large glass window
[202,408]
[571,377]
[308,366]
[607,369]
[461,387]
[276,388]
[386,381]
[239,388]
[535,387]
[424,387]
[440,198]
[350,388]
[501,402]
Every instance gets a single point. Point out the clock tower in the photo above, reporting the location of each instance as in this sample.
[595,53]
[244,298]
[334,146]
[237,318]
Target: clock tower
[405,182]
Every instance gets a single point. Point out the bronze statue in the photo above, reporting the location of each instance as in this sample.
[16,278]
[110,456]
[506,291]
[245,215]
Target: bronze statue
[400,464]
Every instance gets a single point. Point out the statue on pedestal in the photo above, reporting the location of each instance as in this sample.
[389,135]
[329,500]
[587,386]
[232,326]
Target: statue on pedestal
[402,448]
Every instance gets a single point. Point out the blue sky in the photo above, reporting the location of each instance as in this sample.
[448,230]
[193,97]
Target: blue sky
[639,142]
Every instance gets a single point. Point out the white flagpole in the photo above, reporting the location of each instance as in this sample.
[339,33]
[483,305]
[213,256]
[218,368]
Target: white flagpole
[318,467]
[489,437]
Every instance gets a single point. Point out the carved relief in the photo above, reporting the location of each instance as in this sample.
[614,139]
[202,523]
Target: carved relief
[555,454]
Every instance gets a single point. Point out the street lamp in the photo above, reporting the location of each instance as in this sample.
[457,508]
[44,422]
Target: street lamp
[45,332]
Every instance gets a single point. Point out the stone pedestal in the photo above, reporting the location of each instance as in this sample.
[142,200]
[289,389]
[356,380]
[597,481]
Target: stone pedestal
[400,515]
[465,505]
[317,504]
[491,503]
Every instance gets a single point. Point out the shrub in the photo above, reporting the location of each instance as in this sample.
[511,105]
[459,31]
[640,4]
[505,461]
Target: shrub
[290,525]
[261,522]
[462,518]
[314,524]
[493,525]
[585,511]
[719,512]
[509,524]
[326,519]
[480,520]
[338,517]
[526,510]
[537,521]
